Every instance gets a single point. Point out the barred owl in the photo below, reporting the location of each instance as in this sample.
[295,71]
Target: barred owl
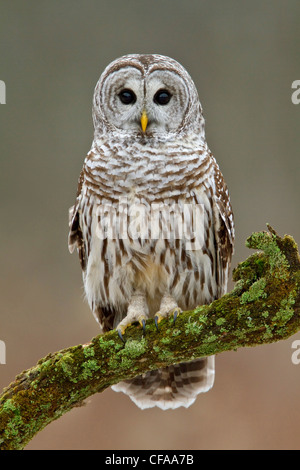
[149,161]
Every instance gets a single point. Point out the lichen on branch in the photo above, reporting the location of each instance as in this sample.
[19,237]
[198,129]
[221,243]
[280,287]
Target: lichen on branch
[262,308]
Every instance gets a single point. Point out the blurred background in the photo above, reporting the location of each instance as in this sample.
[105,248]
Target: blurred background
[243,57]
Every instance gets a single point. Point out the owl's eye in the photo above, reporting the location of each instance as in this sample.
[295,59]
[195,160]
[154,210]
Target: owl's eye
[162,97]
[127,96]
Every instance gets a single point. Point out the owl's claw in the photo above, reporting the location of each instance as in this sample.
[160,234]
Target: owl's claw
[160,315]
[121,328]
[143,324]
[121,332]
[175,313]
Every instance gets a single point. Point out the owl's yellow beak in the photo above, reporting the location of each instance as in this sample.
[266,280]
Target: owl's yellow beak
[144,120]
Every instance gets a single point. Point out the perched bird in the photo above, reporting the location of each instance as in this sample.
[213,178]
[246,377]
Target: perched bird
[152,221]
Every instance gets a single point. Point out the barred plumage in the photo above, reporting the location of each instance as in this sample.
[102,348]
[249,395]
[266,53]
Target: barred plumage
[165,172]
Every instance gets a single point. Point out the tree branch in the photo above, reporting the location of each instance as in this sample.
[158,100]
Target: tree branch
[263,307]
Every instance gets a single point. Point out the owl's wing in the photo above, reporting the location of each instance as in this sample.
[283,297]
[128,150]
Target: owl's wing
[224,231]
[75,239]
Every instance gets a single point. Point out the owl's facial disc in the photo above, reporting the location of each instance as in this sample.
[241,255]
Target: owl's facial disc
[147,104]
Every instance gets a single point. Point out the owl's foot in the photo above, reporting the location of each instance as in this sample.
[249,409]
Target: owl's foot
[121,328]
[137,312]
[168,308]
[160,315]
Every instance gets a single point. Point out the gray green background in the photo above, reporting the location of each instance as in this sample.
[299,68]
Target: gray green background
[243,57]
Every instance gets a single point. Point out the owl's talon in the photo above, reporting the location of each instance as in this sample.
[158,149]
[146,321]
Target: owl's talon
[143,324]
[121,328]
[175,313]
[158,318]
[120,335]
[160,315]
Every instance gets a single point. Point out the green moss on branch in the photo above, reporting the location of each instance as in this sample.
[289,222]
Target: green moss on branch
[262,308]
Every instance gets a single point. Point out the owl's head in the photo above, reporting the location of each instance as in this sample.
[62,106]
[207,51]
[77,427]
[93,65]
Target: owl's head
[147,95]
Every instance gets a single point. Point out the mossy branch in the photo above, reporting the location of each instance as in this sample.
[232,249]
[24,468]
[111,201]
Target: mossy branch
[262,308]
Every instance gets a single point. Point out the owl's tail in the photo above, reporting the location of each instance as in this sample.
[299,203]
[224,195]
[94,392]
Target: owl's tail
[169,388]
